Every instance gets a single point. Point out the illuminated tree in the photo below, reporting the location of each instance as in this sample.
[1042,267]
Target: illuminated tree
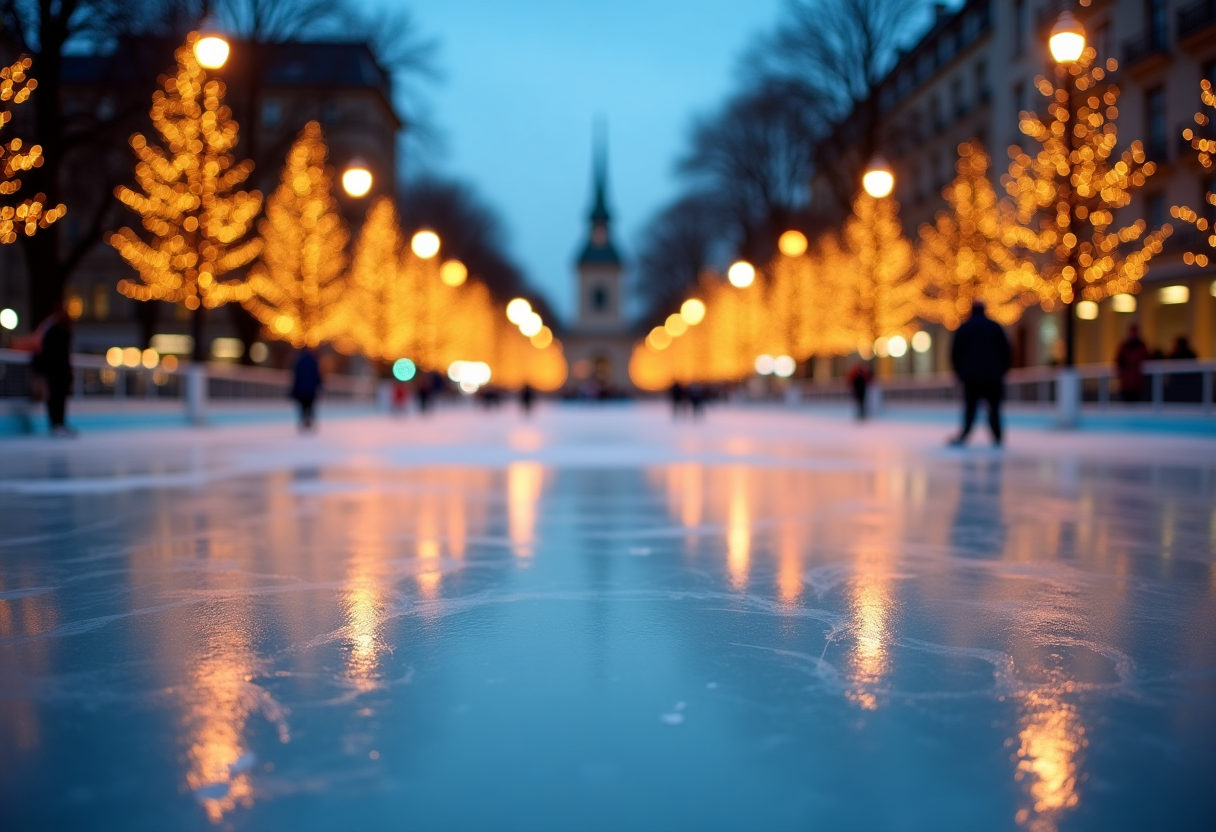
[197,221]
[374,306]
[297,284]
[1067,193]
[1205,149]
[967,255]
[431,322]
[881,289]
[28,215]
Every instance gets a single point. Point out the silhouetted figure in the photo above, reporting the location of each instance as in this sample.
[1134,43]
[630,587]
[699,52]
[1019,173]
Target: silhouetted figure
[527,397]
[677,398]
[859,381]
[1130,359]
[1183,387]
[306,386]
[53,361]
[981,356]
[696,399]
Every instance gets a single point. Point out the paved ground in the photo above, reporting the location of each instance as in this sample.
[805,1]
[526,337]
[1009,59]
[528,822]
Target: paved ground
[601,619]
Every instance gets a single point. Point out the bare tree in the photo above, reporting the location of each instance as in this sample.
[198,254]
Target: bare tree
[841,49]
[676,246]
[755,156]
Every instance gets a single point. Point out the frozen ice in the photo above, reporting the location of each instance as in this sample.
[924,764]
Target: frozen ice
[599,619]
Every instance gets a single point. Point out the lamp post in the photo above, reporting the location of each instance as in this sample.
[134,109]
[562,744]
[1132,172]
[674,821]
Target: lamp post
[878,182]
[1067,44]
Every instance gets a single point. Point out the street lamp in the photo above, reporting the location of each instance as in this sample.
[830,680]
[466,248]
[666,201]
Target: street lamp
[425,244]
[357,179]
[741,274]
[211,51]
[1067,44]
[878,180]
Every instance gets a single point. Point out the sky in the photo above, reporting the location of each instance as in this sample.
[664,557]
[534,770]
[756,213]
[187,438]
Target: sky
[524,82]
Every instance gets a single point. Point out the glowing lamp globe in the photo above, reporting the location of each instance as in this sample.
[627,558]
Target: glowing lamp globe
[878,180]
[792,243]
[425,244]
[8,318]
[518,310]
[357,179]
[211,52]
[692,311]
[741,274]
[453,273]
[1067,40]
[531,325]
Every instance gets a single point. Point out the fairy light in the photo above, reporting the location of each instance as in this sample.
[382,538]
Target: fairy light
[197,222]
[297,285]
[29,215]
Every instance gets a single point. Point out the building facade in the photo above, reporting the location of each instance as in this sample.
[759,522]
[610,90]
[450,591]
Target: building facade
[273,89]
[972,74]
[599,341]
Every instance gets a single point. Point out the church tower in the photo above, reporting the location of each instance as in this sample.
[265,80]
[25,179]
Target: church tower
[600,340]
[601,304]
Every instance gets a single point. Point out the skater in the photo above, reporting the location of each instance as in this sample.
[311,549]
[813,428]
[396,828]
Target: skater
[306,386]
[527,397]
[53,362]
[981,356]
[1130,361]
[859,381]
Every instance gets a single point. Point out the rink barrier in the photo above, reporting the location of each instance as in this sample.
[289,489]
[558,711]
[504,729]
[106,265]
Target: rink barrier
[1170,385]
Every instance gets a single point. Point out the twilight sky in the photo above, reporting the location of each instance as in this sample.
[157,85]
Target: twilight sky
[524,82]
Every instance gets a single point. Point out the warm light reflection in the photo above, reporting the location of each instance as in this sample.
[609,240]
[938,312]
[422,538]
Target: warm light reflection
[525,479]
[367,585]
[1051,739]
[738,529]
[789,565]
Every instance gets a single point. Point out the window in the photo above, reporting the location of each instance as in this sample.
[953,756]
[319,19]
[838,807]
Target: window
[599,299]
[101,302]
[272,112]
[981,82]
[1158,21]
[1154,110]
[945,48]
[1154,209]
[1021,25]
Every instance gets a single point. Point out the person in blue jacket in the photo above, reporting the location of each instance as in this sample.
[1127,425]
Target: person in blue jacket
[306,386]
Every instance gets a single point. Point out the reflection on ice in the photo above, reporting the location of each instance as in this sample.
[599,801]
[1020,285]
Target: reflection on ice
[1050,741]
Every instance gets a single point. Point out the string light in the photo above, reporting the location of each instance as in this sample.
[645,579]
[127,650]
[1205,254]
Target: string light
[1205,149]
[298,283]
[196,220]
[29,215]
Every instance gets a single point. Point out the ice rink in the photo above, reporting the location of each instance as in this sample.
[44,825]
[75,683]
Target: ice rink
[602,619]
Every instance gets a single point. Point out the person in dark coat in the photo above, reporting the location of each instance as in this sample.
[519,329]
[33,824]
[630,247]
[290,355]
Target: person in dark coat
[527,396]
[859,381]
[1130,361]
[981,356]
[306,386]
[53,362]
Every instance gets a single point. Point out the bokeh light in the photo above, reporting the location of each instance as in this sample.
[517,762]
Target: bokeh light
[150,358]
[542,339]
[518,310]
[404,369]
[357,180]
[425,244]
[531,325]
[1087,310]
[897,346]
[211,52]
[692,311]
[741,274]
[453,273]
[765,364]
[675,325]
[792,243]
[921,341]
[784,366]
[8,318]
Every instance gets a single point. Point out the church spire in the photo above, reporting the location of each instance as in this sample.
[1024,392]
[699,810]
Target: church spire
[599,248]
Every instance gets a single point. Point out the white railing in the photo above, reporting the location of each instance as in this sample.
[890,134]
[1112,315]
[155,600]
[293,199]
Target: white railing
[94,380]
[1182,384]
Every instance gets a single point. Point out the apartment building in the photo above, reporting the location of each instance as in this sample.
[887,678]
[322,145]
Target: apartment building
[273,90]
[974,71]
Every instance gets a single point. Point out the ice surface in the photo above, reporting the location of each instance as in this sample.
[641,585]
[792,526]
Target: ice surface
[601,620]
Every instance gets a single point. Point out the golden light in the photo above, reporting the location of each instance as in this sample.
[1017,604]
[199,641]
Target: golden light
[211,52]
[1067,39]
[1123,303]
[784,366]
[792,243]
[169,362]
[531,325]
[150,358]
[425,244]
[1170,295]
[897,346]
[658,339]
[453,273]
[131,357]
[518,310]
[765,364]
[878,180]
[741,274]
[1087,310]
[921,341]
[114,356]
[675,325]
[357,179]
[542,339]
[692,311]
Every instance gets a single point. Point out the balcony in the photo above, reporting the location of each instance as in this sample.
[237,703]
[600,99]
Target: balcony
[1197,24]
[1146,52]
